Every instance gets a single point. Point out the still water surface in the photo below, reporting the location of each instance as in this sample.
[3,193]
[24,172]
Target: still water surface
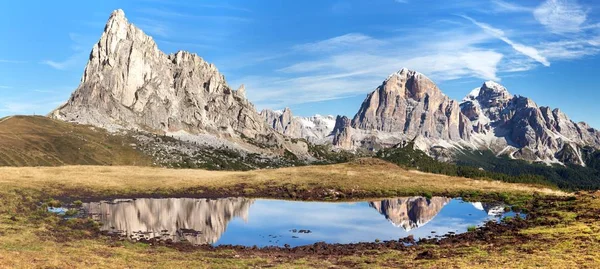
[261,222]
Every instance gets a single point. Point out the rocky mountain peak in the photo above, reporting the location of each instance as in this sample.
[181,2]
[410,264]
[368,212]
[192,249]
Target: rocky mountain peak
[129,83]
[409,104]
[117,21]
[492,93]
[486,104]
[411,84]
[117,14]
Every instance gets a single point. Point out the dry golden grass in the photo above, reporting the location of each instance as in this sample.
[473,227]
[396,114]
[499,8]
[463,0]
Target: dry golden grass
[25,244]
[370,175]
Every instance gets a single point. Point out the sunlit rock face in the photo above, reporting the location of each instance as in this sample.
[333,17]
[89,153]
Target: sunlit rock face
[130,84]
[199,221]
[410,213]
[410,103]
[406,105]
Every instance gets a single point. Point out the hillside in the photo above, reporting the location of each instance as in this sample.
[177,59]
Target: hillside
[41,141]
[486,165]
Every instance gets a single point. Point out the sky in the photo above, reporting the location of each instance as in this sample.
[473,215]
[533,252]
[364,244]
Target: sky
[320,56]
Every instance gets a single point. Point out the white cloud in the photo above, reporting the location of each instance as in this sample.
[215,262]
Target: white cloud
[561,16]
[524,49]
[569,49]
[153,27]
[27,106]
[71,61]
[347,41]
[12,61]
[354,64]
[16,107]
[5,87]
[165,13]
[504,6]
[401,1]
[81,45]
[200,5]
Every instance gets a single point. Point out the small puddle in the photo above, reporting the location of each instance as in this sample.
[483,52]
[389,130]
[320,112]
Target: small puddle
[262,222]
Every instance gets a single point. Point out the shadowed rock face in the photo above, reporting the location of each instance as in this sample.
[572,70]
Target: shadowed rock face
[129,83]
[342,133]
[199,221]
[410,213]
[528,131]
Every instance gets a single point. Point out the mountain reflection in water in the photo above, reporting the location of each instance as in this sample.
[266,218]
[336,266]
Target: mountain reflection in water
[249,222]
[199,221]
[412,212]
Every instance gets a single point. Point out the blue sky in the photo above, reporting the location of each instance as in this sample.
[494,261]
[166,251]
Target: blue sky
[320,56]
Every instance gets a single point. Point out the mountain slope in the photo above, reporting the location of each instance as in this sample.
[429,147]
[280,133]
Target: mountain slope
[40,141]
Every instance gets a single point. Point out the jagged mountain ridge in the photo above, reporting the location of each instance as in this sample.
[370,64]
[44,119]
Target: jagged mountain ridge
[523,129]
[314,129]
[409,106]
[130,84]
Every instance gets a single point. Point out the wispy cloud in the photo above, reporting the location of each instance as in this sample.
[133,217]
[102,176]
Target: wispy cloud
[504,6]
[199,4]
[65,64]
[561,16]
[54,90]
[5,87]
[81,44]
[28,105]
[353,64]
[524,49]
[14,107]
[178,28]
[153,27]
[569,49]
[348,41]
[165,13]
[225,6]
[12,61]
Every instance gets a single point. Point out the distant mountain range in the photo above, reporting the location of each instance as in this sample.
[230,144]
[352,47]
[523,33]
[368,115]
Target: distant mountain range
[129,84]
[409,106]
